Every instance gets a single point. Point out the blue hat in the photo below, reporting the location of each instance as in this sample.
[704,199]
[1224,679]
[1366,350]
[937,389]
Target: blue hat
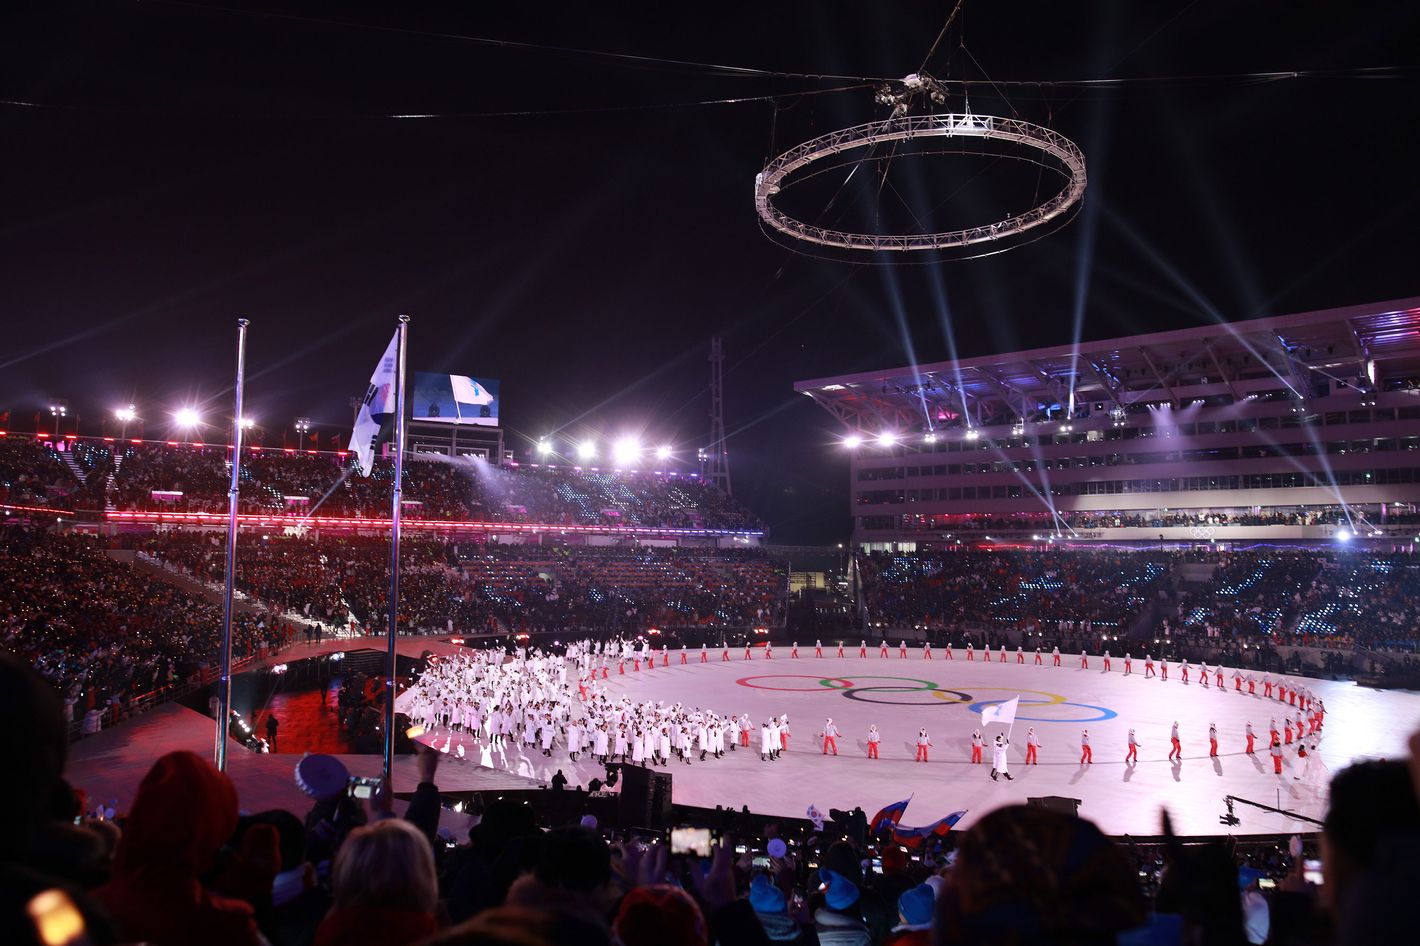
[842,893]
[915,906]
[764,896]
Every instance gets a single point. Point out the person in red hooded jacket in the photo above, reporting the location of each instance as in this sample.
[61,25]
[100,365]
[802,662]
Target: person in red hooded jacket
[184,812]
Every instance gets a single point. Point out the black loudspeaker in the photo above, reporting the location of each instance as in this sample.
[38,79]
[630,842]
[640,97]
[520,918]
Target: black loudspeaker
[1066,806]
[645,797]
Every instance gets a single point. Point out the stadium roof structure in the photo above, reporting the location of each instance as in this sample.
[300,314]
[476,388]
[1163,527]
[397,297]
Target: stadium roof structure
[1364,346]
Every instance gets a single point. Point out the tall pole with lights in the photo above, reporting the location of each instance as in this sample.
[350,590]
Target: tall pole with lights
[224,679]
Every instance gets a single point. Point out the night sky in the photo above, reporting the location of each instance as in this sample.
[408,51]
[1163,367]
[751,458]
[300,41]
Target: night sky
[170,167]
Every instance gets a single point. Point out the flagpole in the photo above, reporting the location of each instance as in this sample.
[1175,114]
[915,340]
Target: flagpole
[394,544]
[224,678]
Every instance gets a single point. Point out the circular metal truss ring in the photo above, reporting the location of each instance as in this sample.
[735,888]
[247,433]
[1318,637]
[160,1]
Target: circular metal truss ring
[956,125]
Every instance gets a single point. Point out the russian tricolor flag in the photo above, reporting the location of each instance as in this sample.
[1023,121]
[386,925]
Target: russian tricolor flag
[889,816]
[916,837]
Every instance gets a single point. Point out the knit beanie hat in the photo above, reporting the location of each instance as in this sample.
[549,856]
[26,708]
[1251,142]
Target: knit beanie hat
[916,906]
[660,915]
[765,897]
[842,893]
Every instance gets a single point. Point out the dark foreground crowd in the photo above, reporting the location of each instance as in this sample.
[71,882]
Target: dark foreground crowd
[184,864]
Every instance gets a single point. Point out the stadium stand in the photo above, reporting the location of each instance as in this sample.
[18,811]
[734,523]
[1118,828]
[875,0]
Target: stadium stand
[192,478]
[103,633]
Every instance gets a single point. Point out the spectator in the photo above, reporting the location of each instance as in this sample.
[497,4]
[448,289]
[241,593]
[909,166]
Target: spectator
[1034,875]
[660,915]
[184,812]
[383,886]
[914,912]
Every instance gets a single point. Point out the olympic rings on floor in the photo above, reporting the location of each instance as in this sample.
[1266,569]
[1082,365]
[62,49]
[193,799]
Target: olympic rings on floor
[825,682]
[926,684]
[1055,698]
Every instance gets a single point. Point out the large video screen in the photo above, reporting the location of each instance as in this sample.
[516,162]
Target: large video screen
[455,399]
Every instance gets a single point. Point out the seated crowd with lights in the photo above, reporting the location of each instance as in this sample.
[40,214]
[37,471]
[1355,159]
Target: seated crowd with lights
[1334,599]
[103,632]
[34,474]
[1100,592]
[189,478]
[472,588]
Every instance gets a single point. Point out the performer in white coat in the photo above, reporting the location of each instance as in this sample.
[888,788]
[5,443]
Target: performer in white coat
[1000,763]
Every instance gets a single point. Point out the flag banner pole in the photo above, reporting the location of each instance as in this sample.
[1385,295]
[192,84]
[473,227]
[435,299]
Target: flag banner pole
[224,678]
[394,544]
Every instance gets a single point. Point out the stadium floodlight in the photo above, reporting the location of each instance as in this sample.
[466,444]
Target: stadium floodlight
[930,436]
[626,451]
[887,438]
[663,452]
[852,441]
[1344,535]
[126,415]
[187,418]
[586,450]
[544,447]
[972,433]
[248,423]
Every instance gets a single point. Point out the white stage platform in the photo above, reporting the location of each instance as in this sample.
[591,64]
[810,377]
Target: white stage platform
[895,694]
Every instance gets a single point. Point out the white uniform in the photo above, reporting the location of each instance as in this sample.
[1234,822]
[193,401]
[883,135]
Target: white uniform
[1000,762]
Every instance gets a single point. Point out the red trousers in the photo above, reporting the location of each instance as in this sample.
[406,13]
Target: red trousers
[976,753]
[1249,743]
[1030,755]
[840,651]
[1287,736]
[704,657]
[882,653]
[1086,755]
[921,753]
[665,659]
[1177,749]
[1055,661]
[872,750]
[926,654]
[1212,747]
[1106,665]
[970,654]
[902,653]
[1037,660]
[818,651]
[1084,664]
[1020,658]
[724,656]
[744,737]
[1277,764]
[746,653]
[830,743]
[682,659]
[1133,754]
[1238,682]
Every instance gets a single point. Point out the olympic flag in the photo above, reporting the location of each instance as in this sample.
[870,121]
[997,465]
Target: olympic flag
[1004,713]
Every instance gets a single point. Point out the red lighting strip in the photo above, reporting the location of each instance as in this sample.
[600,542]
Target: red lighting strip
[200,518]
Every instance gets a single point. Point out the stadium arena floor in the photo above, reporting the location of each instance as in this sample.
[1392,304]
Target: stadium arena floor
[902,695]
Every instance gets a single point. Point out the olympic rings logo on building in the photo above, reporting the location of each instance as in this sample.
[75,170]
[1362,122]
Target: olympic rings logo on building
[924,693]
[1202,532]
